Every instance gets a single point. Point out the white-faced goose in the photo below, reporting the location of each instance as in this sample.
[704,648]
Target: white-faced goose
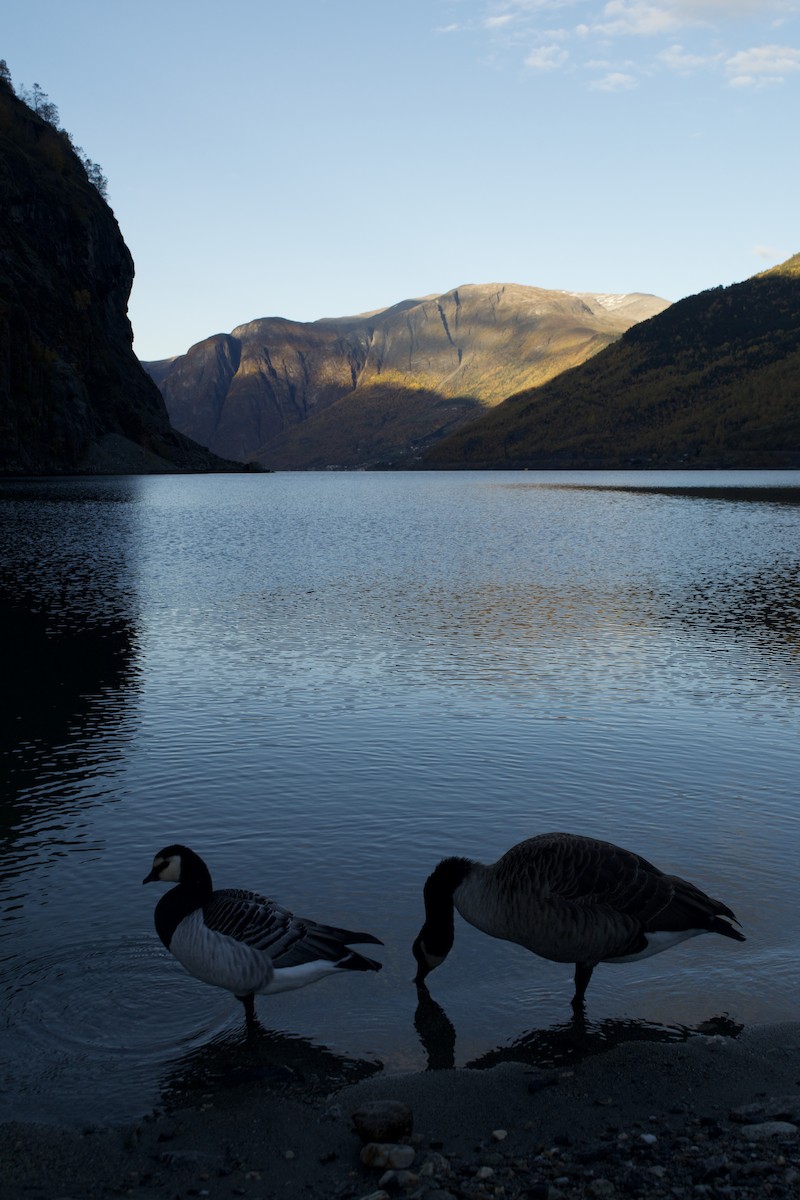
[570,899]
[242,941]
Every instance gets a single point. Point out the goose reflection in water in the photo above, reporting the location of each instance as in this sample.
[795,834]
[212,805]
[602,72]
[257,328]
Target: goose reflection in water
[559,1046]
[265,1058]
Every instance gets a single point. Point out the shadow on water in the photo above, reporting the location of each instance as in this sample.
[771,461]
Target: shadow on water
[235,1062]
[761,495]
[68,635]
[559,1046]
[60,681]
[69,646]
[702,491]
[761,608]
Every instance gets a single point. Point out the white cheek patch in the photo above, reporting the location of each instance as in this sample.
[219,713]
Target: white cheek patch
[171,873]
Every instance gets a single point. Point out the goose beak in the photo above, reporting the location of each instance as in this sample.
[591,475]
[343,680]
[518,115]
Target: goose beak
[151,878]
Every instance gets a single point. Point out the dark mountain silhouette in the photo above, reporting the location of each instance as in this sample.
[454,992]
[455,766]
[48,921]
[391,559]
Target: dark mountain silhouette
[73,396]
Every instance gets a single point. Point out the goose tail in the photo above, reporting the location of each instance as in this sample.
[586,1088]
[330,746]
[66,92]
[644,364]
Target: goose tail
[690,907]
[716,925]
[359,962]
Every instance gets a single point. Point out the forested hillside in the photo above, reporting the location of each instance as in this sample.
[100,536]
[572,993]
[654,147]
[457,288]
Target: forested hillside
[713,381]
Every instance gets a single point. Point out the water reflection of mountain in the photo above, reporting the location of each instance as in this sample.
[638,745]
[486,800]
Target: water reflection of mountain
[579,618]
[761,608]
[558,1046]
[68,621]
[731,494]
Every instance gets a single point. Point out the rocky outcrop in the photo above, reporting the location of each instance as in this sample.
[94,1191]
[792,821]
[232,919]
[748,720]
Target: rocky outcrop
[381,386]
[73,396]
[237,392]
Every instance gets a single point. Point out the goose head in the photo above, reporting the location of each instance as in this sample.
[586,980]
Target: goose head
[429,952]
[177,864]
[435,940]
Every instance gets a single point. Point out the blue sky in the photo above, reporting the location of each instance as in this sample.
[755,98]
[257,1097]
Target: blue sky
[309,158]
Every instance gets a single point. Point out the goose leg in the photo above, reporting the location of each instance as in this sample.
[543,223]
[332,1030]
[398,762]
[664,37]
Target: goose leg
[583,973]
[249,1010]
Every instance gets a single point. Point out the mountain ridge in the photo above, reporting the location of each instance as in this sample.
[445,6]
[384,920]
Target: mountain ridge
[356,391]
[712,381]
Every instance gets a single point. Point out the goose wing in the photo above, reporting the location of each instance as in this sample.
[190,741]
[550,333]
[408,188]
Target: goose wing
[588,872]
[601,900]
[269,927]
[689,906]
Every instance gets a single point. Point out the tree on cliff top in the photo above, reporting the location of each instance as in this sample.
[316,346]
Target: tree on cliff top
[38,100]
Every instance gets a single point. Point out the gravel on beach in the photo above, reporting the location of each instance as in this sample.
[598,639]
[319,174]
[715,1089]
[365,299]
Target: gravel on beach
[710,1117]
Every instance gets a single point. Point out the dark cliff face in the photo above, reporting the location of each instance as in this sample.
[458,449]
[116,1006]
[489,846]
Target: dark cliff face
[238,392]
[73,396]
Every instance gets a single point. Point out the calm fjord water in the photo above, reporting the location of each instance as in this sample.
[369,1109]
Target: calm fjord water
[326,682]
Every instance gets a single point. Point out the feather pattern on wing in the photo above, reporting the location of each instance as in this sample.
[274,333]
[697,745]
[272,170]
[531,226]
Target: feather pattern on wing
[579,899]
[241,940]
[269,927]
[567,898]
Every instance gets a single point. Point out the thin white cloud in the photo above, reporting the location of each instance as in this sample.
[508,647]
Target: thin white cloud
[761,65]
[652,17]
[638,18]
[615,81]
[679,36]
[546,58]
[642,17]
[678,59]
[732,9]
[769,253]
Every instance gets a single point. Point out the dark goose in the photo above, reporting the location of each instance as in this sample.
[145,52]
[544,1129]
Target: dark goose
[570,899]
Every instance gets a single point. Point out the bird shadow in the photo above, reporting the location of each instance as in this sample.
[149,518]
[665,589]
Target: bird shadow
[558,1046]
[264,1058]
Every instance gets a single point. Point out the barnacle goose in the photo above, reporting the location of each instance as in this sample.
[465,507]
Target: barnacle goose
[570,899]
[240,940]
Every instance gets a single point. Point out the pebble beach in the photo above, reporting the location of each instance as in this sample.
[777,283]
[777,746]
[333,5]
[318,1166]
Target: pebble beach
[714,1116]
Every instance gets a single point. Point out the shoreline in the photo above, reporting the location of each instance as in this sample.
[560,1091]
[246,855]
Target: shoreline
[713,1115]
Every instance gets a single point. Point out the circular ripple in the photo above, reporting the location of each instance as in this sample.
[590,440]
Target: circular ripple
[90,1030]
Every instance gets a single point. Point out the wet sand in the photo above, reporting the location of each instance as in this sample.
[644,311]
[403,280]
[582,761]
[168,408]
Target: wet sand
[711,1116]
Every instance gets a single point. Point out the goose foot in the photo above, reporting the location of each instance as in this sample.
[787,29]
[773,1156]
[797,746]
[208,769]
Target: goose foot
[249,1012]
[583,973]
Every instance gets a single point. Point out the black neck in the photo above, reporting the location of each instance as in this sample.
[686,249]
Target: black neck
[193,891]
[438,931]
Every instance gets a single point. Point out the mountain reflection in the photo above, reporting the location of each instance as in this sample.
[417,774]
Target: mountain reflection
[731,494]
[68,637]
[762,608]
